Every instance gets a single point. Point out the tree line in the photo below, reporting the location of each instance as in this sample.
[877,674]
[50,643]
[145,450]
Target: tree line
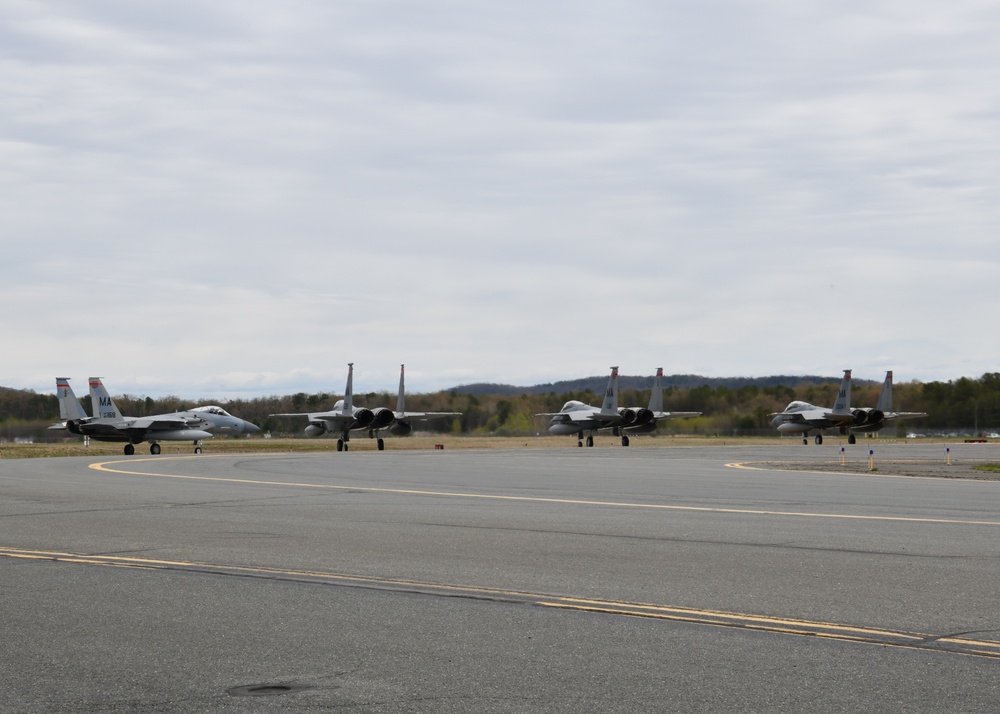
[963,404]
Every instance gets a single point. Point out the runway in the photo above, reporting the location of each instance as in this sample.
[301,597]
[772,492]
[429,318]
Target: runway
[641,579]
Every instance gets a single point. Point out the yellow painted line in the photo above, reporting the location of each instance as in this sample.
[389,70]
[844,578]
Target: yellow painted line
[950,644]
[107,468]
[856,474]
[791,467]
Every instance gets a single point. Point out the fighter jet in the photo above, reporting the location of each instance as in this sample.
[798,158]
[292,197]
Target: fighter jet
[400,422]
[576,417]
[869,419]
[108,424]
[345,417]
[803,418]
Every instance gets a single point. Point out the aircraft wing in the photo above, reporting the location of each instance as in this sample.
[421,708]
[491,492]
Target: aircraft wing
[596,415]
[424,416]
[159,423]
[329,417]
[901,415]
[675,415]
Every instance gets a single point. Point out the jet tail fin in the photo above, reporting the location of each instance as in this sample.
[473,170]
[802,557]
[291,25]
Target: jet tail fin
[349,390]
[656,396]
[401,397]
[843,403]
[70,408]
[884,403]
[610,405]
[100,401]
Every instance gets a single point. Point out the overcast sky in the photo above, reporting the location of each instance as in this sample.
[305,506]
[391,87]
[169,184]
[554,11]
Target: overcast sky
[238,198]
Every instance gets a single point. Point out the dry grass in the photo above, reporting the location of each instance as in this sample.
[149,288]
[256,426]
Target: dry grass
[409,443]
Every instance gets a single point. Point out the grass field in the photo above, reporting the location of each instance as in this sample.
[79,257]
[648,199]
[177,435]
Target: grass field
[409,443]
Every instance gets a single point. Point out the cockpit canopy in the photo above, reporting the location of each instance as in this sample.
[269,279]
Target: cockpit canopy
[218,411]
[573,405]
[797,406]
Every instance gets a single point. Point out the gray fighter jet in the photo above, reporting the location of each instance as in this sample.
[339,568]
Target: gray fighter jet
[345,417]
[576,417]
[803,417]
[108,424]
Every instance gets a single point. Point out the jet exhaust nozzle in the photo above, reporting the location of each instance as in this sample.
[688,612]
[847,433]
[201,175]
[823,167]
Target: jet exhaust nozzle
[381,418]
[627,416]
[642,416]
[364,417]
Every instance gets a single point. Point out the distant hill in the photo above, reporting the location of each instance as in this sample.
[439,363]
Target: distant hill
[684,381]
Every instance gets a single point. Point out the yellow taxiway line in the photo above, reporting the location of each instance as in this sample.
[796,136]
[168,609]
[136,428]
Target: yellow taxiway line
[885,637]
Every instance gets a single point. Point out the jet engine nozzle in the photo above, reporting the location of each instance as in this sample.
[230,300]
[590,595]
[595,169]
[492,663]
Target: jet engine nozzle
[73,427]
[400,428]
[364,417]
[642,416]
[381,418]
[875,416]
[860,416]
[315,430]
[627,416]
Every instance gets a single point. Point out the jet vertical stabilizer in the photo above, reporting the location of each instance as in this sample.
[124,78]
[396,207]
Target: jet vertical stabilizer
[100,401]
[843,403]
[69,406]
[348,406]
[401,397]
[610,405]
[656,397]
[884,403]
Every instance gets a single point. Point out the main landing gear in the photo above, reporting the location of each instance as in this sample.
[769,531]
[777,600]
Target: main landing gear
[852,439]
[154,448]
[818,440]
[379,441]
[590,439]
[342,445]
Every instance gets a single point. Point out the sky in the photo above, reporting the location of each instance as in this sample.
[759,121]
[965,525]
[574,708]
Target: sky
[236,199]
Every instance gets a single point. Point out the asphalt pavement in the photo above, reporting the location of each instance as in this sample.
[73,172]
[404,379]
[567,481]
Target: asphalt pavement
[605,579]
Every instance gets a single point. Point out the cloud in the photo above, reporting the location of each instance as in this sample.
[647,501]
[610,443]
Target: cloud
[204,195]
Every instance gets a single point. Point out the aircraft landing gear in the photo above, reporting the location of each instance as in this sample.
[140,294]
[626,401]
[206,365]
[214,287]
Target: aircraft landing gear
[579,439]
[197,447]
[342,445]
[154,448]
[624,440]
[851,439]
[590,441]
[819,439]
[381,444]
[129,449]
